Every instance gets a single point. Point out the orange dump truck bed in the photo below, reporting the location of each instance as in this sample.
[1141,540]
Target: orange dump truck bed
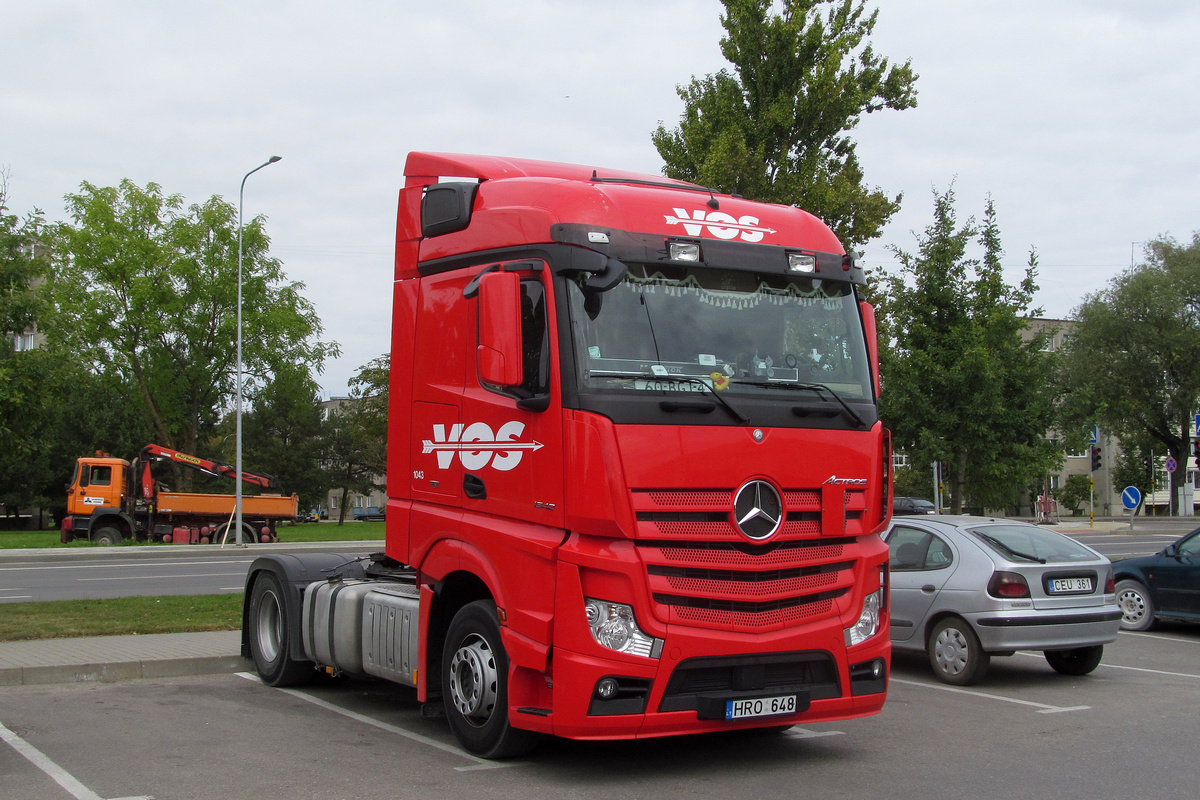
[264,505]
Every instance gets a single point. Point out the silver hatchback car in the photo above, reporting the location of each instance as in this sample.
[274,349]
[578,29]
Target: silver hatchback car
[964,589]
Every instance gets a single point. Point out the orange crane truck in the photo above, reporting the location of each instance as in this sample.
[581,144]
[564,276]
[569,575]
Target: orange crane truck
[110,499]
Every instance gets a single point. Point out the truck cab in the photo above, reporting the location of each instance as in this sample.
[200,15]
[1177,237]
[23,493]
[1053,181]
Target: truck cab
[97,492]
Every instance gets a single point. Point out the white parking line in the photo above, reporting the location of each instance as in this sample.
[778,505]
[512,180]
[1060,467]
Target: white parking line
[56,773]
[478,764]
[1042,707]
[804,733]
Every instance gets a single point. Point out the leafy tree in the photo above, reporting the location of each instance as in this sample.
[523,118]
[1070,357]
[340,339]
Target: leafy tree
[285,436]
[145,292]
[1074,493]
[358,432]
[774,128]
[1132,363]
[962,384]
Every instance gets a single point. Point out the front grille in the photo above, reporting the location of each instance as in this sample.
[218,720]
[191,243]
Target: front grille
[702,571]
[694,680]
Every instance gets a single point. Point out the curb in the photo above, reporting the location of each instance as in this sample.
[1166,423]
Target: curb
[124,670]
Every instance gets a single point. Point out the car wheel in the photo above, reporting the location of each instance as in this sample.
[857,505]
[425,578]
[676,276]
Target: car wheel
[955,653]
[1137,609]
[475,685]
[270,635]
[1077,661]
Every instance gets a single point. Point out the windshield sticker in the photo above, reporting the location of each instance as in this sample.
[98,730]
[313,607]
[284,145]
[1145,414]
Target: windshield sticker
[718,224]
[477,446]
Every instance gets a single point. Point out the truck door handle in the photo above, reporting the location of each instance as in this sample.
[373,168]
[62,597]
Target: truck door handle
[474,487]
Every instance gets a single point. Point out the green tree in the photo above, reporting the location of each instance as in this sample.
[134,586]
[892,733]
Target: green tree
[358,432]
[285,435]
[145,291]
[1132,363]
[962,384]
[774,128]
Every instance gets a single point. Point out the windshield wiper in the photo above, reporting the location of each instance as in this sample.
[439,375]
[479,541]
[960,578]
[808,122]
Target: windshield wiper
[728,406]
[820,389]
[668,405]
[1001,545]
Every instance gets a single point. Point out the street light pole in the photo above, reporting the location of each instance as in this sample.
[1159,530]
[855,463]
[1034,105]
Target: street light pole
[237,503]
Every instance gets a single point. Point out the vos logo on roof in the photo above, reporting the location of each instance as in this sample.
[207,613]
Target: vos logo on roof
[719,224]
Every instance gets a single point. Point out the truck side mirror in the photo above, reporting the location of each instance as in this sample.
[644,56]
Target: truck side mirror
[499,354]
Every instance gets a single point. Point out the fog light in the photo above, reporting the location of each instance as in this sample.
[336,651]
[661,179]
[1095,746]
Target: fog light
[606,689]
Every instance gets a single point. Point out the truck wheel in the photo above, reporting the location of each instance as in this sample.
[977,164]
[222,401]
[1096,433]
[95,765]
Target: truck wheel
[106,535]
[270,636]
[248,535]
[475,685]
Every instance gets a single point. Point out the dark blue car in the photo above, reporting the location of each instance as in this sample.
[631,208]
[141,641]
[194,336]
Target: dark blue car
[1163,586]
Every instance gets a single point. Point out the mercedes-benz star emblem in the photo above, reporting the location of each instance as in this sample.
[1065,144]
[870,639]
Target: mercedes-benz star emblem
[758,510]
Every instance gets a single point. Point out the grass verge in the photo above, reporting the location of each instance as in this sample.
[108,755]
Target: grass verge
[352,531]
[120,616]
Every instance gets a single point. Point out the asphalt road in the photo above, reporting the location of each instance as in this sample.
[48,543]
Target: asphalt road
[92,573]
[1025,732]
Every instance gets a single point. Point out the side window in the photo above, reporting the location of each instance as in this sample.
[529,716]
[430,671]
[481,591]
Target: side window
[535,338]
[101,476]
[1191,547]
[906,548]
[85,475]
[912,550]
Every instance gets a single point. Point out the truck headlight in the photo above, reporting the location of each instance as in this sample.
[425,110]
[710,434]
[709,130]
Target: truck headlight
[868,622]
[613,626]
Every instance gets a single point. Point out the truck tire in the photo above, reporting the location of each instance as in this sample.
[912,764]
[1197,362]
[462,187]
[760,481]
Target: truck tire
[270,635]
[475,685]
[106,535]
[248,535]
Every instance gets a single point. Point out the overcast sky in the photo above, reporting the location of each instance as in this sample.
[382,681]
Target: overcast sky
[1079,118]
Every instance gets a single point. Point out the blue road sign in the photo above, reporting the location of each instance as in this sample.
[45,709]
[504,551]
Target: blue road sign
[1171,463]
[1131,498]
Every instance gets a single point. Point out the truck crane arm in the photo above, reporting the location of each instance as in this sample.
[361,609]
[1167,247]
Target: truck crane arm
[154,452]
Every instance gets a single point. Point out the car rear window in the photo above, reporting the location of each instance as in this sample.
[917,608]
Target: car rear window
[1027,543]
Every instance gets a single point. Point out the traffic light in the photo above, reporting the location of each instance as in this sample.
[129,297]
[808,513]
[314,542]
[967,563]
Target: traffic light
[1149,466]
[1095,458]
[1196,450]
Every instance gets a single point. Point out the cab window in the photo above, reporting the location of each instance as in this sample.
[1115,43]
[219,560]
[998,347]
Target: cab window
[101,476]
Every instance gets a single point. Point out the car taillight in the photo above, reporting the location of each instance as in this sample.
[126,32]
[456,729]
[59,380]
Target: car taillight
[1008,585]
[1110,583]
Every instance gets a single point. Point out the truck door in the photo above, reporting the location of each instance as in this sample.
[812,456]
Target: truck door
[97,483]
[515,470]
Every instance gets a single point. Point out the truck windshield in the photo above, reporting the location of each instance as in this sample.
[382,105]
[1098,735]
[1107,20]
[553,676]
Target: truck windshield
[698,329]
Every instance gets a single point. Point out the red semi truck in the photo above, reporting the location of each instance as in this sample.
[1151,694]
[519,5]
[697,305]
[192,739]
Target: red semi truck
[636,473]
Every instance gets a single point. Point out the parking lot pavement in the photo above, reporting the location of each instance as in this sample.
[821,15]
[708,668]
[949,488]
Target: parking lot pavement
[1025,731]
